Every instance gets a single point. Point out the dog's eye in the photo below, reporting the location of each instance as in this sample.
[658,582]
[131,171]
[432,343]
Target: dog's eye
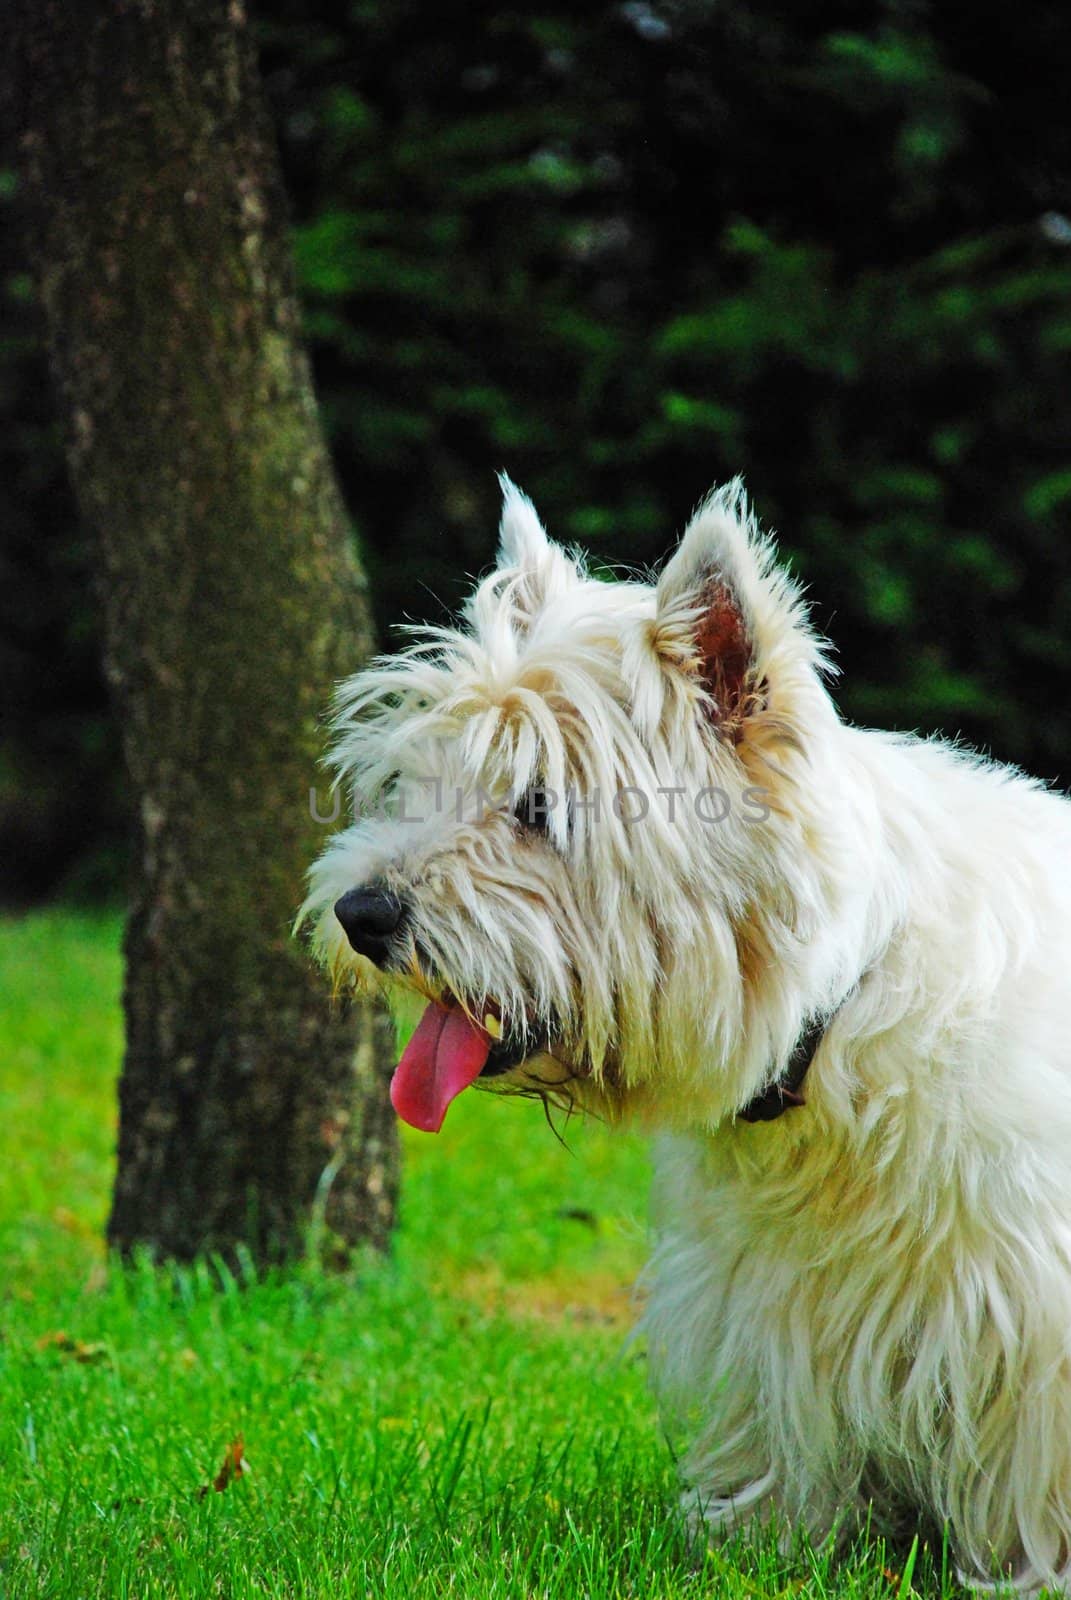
[533,809]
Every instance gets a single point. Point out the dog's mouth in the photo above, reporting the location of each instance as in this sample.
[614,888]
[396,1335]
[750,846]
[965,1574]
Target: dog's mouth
[449,1050]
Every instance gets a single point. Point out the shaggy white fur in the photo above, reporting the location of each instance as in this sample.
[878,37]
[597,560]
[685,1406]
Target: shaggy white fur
[868,1298]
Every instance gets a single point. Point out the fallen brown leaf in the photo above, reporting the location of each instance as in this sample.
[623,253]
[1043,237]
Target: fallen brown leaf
[234,1466]
[59,1339]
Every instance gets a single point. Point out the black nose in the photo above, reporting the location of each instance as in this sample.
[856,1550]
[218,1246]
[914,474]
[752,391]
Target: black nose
[368,918]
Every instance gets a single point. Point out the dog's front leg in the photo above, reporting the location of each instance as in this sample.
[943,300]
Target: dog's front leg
[716,1512]
[767,1500]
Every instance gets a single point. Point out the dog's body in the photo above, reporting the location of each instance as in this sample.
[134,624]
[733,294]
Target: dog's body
[868,1296]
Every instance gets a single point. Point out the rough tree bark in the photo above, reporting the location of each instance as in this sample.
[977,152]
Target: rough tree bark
[233,600]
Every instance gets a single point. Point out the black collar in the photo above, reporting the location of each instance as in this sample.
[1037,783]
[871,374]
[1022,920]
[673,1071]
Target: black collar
[787,1090]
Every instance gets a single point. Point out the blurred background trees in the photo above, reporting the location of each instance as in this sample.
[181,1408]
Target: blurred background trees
[624,251]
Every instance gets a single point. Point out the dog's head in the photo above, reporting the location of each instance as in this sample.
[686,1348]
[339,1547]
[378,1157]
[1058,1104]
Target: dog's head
[583,836]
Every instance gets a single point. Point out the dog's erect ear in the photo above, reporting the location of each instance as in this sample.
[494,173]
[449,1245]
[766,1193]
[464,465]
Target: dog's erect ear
[522,541]
[542,567]
[720,604]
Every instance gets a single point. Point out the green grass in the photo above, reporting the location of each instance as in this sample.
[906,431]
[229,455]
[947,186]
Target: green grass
[465,1418]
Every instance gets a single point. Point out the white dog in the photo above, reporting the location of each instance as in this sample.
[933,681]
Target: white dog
[622,842]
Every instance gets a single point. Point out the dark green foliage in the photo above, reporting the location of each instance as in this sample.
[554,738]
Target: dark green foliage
[625,251]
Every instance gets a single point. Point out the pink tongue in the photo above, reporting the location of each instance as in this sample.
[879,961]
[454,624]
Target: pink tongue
[445,1055]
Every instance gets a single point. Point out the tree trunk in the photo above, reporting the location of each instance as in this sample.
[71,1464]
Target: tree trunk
[233,601]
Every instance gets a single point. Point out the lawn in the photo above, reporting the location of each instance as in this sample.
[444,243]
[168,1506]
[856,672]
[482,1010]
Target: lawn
[466,1417]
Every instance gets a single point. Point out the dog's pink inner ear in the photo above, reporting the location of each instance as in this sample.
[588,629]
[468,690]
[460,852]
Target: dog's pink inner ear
[724,653]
